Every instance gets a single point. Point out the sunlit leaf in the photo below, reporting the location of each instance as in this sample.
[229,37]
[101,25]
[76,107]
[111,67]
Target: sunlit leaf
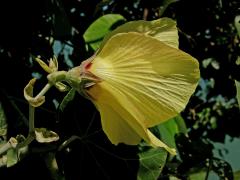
[151,163]
[45,136]
[99,28]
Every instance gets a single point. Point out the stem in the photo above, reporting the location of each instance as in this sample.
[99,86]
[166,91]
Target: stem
[44,90]
[31,118]
[27,141]
[68,141]
[208,169]
[56,76]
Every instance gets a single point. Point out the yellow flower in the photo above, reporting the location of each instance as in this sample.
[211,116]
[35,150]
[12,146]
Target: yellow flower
[141,82]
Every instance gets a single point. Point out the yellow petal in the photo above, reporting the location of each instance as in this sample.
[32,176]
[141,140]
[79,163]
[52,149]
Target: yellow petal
[156,79]
[155,142]
[120,124]
[163,29]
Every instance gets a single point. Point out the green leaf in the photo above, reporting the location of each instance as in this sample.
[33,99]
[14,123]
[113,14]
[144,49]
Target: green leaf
[151,164]
[45,136]
[238,91]
[99,28]
[69,97]
[168,129]
[12,157]
[182,128]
